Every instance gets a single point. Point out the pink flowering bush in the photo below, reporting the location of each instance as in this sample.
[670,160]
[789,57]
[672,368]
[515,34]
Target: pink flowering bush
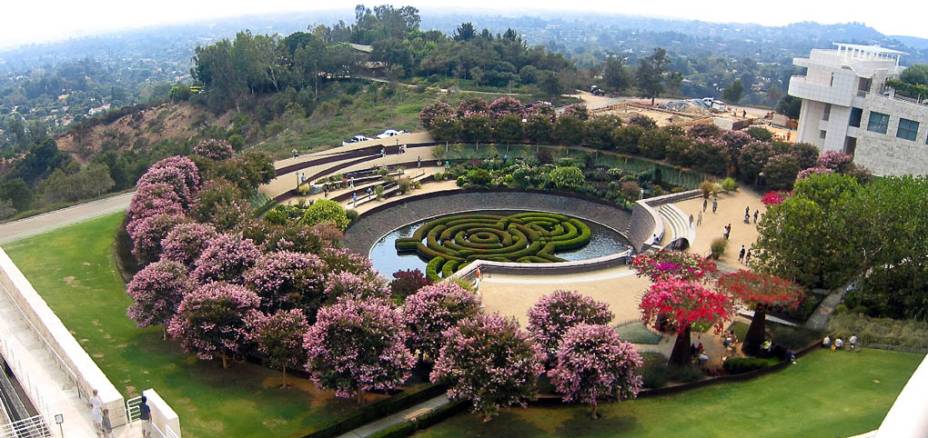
[407,281]
[773,198]
[210,320]
[152,199]
[342,259]
[147,234]
[357,346]
[185,242]
[214,149]
[281,278]
[432,310]
[805,173]
[347,284]
[835,160]
[187,168]
[226,258]
[667,264]
[279,338]
[551,317]
[431,113]
[156,291]
[177,172]
[472,105]
[679,304]
[490,362]
[505,105]
[593,363]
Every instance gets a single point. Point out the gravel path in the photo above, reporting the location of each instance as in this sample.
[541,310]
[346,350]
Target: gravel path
[45,222]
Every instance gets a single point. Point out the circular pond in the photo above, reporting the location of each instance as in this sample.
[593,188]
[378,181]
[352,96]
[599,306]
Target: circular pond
[439,246]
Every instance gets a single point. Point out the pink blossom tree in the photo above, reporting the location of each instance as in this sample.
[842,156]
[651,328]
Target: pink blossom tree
[432,310]
[357,346]
[347,284]
[185,242]
[805,173]
[593,363]
[835,160]
[279,338]
[345,260]
[226,258]
[505,105]
[147,234]
[682,304]
[489,361]
[554,314]
[214,149]
[156,292]
[435,111]
[210,320]
[178,172]
[152,199]
[282,278]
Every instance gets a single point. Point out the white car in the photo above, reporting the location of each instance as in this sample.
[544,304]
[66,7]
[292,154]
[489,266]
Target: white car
[390,133]
[355,139]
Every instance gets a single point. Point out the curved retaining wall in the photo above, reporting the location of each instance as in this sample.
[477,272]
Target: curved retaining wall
[377,222]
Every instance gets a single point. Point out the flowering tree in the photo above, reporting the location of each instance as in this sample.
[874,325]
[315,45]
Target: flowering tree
[489,361]
[156,292]
[178,172]
[472,105]
[210,320]
[214,149]
[186,166]
[279,337]
[185,242]
[152,199]
[434,309]
[363,286]
[683,304]
[773,198]
[358,346]
[147,234]
[805,173]
[438,110]
[505,105]
[593,363]
[226,258]
[343,259]
[665,264]
[407,281]
[835,160]
[282,278]
[554,314]
[762,292]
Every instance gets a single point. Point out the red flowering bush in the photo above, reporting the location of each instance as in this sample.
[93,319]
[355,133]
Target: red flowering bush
[226,258]
[490,362]
[357,346]
[156,292]
[593,363]
[432,310]
[551,317]
[666,264]
[279,338]
[762,292]
[682,304]
[773,198]
[186,241]
[210,320]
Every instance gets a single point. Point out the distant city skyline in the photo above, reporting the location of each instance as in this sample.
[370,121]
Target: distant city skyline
[49,20]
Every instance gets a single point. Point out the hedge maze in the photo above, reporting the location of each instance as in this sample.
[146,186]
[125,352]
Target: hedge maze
[451,242]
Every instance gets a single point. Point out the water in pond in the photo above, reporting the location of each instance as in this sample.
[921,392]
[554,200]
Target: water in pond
[603,241]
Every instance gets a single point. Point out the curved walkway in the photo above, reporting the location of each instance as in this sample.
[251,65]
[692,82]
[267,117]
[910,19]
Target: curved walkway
[45,222]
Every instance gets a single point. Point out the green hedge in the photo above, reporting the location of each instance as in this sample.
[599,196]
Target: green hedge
[738,365]
[530,237]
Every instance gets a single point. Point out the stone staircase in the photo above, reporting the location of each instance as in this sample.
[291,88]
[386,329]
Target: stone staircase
[678,224]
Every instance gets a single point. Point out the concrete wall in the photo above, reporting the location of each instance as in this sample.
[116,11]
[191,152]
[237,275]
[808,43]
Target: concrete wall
[64,349]
[162,416]
[886,154]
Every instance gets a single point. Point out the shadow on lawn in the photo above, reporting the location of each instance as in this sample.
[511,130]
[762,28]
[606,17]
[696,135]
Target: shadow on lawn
[580,423]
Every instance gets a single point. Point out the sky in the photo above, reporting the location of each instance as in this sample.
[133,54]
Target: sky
[32,21]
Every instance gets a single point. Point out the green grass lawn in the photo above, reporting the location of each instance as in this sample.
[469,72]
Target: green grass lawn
[73,269]
[825,395]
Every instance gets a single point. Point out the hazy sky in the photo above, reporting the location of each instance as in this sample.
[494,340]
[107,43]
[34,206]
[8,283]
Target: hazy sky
[24,21]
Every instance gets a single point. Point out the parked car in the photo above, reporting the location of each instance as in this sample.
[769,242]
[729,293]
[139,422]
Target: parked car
[597,91]
[390,133]
[355,139]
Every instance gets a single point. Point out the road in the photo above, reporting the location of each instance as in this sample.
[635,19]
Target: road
[45,222]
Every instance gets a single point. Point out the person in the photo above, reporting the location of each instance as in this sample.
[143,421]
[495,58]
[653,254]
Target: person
[727,342]
[826,343]
[418,161]
[715,205]
[726,232]
[699,219]
[96,410]
[691,219]
[106,425]
[747,257]
[354,199]
[747,211]
[839,343]
[791,356]
[655,239]
[747,218]
[852,342]
[756,213]
[294,152]
[693,350]
[744,113]
[477,277]
[145,417]
[741,254]
[705,203]
[383,152]
[703,359]
[700,348]
[370,191]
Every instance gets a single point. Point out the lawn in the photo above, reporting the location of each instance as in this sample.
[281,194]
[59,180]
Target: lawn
[73,269]
[825,395]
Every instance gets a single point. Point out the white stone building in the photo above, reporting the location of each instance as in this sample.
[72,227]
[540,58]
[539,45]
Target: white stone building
[847,107]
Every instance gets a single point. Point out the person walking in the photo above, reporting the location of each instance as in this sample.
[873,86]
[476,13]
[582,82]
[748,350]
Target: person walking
[691,219]
[107,425]
[741,254]
[852,343]
[756,213]
[705,203]
[715,205]
[747,257]
[145,417]
[96,410]
[699,219]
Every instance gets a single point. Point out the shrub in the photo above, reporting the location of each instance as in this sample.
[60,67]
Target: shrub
[226,258]
[906,334]
[718,247]
[352,215]
[781,170]
[738,365]
[685,373]
[760,134]
[326,211]
[406,282]
[729,184]
[214,149]
[708,187]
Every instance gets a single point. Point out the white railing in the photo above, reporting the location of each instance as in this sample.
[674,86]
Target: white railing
[164,420]
[32,427]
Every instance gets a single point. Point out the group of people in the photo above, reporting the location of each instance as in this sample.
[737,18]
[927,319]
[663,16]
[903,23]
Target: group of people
[747,214]
[838,344]
[744,255]
[715,204]
[101,416]
[698,352]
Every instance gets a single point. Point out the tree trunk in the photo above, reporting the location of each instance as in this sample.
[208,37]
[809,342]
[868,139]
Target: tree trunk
[283,377]
[681,349]
[225,361]
[164,332]
[594,414]
[756,332]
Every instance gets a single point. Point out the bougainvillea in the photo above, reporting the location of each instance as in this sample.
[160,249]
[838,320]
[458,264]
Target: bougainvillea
[407,281]
[665,264]
[226,258]
[490,362]
[357,346]
[279,338]
[281,278]
[835,160]
[210,320]
[681,304]
[214,149]
[156,292]
[347,284]
[554,314]
[593,363]
[434,309]
[762,292]
[773,198]
[805,173]
[147,234]
[185,242]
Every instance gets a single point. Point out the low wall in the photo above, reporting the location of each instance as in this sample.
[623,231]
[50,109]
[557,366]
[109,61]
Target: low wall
[646,221]
[64,349]
[377,222]
[163,417]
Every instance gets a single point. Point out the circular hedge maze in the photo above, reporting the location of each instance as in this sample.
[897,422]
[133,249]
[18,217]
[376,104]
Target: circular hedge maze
[451,242]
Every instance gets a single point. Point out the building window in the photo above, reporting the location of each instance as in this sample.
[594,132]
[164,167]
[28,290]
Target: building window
[908,129]
[827,113]
[878,122]
[850,145]
[863,86]
[856,115]
[822,134]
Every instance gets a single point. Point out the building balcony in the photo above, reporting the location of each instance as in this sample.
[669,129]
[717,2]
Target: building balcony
[801,87]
